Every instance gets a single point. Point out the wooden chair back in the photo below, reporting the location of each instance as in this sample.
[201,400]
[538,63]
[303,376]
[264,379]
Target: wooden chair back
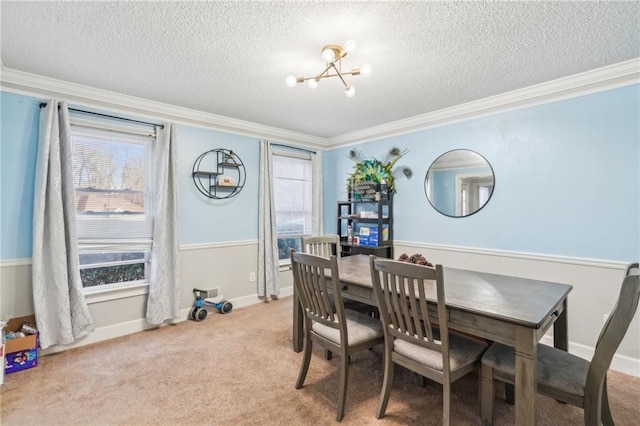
[562,374]
[611,335]
[314,290]
[317,285]
[322,245]
[401,290]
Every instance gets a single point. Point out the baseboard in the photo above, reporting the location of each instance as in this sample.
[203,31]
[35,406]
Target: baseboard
[619,363]
[104,333]
[122,329]
[241,302]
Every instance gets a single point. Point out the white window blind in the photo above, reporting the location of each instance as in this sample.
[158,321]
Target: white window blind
[292,191]
[292,184]
[113,183]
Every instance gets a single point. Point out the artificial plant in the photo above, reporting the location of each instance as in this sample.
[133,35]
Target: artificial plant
[377,171]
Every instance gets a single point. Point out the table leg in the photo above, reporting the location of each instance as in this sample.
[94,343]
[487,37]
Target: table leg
[560,341]
[526,386]
[297,323]
[509,393]
[560,331]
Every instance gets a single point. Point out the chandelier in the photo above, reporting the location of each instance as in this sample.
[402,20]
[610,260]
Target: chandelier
[333,55]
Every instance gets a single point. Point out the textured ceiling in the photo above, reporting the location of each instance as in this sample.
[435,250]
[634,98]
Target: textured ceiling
[232,58]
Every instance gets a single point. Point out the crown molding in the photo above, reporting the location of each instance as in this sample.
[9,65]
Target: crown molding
[39,86]
[593,81]
[597,80]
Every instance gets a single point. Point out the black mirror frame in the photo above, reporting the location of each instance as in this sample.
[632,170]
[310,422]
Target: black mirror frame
[426,177]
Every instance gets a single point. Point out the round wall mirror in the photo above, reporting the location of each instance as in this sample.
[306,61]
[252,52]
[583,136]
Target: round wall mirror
[459,183]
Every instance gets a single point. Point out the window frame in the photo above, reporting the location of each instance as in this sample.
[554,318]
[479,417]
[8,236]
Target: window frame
[93,229]
[299,156]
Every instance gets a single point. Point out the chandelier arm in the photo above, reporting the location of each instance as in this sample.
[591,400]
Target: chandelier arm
[325,75]
[340,75]
[338,54]
[319,76]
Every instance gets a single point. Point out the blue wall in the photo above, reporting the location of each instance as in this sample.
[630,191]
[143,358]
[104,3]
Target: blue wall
[203,220]
[200,220]
[19,120]
[567,179]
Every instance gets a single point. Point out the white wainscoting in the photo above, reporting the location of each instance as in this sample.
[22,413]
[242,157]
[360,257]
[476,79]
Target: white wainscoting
[16,295]
[226,266]
[596,285]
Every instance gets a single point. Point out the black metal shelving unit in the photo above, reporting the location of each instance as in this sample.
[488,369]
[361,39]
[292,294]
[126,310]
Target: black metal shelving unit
[348,214]
[219,174]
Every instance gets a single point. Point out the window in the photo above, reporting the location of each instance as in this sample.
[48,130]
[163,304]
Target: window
[292,180]
[113,183]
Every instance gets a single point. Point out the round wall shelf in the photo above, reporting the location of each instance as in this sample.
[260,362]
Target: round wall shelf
[219,174]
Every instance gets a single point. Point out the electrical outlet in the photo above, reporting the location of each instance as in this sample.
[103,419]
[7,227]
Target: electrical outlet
[252,277]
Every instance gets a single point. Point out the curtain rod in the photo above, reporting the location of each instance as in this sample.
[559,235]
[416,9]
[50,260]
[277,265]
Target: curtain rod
[293,147]
[44,104]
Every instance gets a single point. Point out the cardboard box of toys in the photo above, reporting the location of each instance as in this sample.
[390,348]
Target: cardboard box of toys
[20,344]
[2,351]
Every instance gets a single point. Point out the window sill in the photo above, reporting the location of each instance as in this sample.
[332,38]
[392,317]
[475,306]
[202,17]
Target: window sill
[104,295]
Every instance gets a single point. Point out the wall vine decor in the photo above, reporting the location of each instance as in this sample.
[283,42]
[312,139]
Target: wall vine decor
[219,173]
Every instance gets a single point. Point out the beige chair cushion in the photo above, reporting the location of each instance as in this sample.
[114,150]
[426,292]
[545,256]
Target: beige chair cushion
[360,328]
[462,352]
[556,368]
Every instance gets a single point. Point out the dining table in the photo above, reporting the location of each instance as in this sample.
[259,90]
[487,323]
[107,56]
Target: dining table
[507,309]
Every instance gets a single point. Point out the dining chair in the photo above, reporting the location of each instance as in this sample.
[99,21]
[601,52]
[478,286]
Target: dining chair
[566,377]
[411,301]
[342,331]
[325,246]
[322,245]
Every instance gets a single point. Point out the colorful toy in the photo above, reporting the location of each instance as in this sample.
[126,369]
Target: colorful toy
[199,311]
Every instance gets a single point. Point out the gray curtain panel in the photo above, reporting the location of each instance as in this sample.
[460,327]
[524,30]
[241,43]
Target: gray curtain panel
[268,262]
[163,302]
[317,227]
[61,311]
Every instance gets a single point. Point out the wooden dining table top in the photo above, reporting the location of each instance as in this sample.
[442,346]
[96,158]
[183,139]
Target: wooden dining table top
[512,299]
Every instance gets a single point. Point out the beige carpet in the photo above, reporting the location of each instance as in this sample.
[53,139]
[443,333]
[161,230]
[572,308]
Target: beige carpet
[240,369]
